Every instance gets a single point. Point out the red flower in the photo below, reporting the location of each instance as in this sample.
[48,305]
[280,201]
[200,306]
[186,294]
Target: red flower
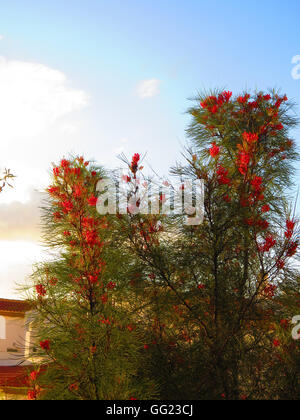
[78,190]
[91,237]
[67,206]
[253,104]
[135,158]
[263,224]
[64,163]
[292,249]
[56,171]
[276,343]
[40,289]
[243,99]
[134,163]
[74,387]
[93,173]
[278,127]
[146,346]
[93,279]
[265,208]
[269,243]
[45,345]
[201,286]
[243,162]
[53,190]
[111,285]
[227,198]
[227,95]
[256,183]
[31,395]
[214,109]
[222,176]
[280,264]
[104,298]
[209,102]
[214,150]
[33,375]
[290,224]
[57,215]
[92,200]
[250,137]
[270,290]
[77,171]
[126,178]
[267,97]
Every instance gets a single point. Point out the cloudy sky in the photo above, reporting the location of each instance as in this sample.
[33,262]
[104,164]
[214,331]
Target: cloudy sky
[98,77]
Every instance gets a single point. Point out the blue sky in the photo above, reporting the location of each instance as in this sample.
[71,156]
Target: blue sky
[92,60]
[108,47]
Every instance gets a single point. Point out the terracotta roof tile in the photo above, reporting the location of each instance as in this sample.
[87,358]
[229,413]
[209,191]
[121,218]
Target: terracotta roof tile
[11,305]
[14,376]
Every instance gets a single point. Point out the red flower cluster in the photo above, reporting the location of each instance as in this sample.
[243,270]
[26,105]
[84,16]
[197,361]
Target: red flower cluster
[31,394]
[265,208]
[134,163]
[45,345]
[33,375]
[250,137]
[91,237]
[212,103]
[92,200]
[256,183]
[280,264]
[222,176]
[270,242]
[214,150]
[290,224]
[243,99]
[40,289]
[292,249]
[67,206]
[270,290]
[243,162]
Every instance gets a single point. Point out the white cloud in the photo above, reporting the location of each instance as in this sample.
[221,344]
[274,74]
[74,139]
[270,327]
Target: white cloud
[33,97]
[38,123]
[1,37]
[21,220]
[148,88]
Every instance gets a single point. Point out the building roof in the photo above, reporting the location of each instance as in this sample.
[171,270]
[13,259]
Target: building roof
[14,306]
[14,376]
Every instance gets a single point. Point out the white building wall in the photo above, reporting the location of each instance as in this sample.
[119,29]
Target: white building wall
[12,344]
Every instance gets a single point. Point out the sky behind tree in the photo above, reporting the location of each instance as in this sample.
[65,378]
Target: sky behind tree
[103,77]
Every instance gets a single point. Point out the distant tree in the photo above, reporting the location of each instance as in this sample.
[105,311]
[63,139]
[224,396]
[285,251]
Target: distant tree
[4,179]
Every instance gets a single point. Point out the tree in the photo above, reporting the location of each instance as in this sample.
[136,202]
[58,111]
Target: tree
[145,305]
[226,278]
[87,346]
